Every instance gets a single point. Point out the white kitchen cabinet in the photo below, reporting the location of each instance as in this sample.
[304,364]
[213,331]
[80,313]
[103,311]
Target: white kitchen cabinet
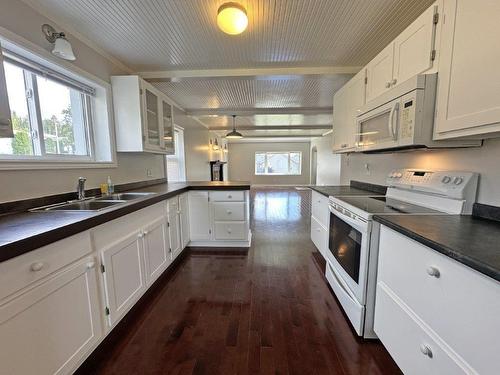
[320,222]
[468,93]
[184,219]
[174,226]
[51,327]
[432,300]
[5,120]
[199,218]
[156,249]
[143,116]
[123,263]
[345,104]
[379,73]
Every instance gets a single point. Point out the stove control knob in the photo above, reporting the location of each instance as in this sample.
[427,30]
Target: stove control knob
[458,180]
[399,175]
[446,180]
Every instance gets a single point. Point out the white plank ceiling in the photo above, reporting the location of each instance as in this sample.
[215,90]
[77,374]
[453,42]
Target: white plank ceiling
[182,35]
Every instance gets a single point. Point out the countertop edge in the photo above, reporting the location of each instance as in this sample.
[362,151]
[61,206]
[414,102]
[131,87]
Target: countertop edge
[27,244]
[471,262]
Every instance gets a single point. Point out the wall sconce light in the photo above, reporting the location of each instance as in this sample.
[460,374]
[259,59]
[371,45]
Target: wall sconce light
[216,145]
[225,148]
[62,48]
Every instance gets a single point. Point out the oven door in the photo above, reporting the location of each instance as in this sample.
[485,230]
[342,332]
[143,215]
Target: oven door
[349,242]
[378,128]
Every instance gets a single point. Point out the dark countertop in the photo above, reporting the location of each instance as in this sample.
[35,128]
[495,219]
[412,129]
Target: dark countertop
[340,190]
[472,241]
[26,231]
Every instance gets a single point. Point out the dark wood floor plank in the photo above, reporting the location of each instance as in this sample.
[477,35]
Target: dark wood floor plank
[269,311]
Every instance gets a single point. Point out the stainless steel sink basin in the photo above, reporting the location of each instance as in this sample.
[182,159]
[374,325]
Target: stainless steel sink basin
[90,205]
[122,196]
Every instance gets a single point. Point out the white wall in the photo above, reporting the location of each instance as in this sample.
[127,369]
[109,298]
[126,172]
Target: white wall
[20,19]
[328,163]
[241,162]
[484,160]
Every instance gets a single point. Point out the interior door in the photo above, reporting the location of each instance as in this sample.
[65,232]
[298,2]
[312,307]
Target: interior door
[413,47]
[468,91]
[184,209]
[379,73]
[174,227]
[156,249]
[51,327]
[123,274]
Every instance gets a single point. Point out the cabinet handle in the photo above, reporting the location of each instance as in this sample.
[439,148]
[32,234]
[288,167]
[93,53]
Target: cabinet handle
[35,267]
[229,196]
[433,271]
[318,230]
[387,85]
[145,232]
[140,235]
[426,350]
[229,230]
[90,265]
[394,81]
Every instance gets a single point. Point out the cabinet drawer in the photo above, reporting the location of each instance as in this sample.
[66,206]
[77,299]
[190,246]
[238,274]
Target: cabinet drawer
[319,236]
[460,305]
[19,272]
[229,211]
[406,339]
[227,196]
[320,208]
[226,230]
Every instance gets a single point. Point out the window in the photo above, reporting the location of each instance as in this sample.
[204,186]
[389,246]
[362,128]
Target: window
[278,163]
[50,113]
[175,163]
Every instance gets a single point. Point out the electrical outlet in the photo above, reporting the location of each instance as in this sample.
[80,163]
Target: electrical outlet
[149,172]
[367,169]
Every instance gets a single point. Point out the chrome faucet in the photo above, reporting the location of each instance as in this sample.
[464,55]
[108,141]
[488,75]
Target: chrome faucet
[80,188]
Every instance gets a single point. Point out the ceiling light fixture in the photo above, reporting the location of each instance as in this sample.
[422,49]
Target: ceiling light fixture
[62,48]
[234,134]
[232,18]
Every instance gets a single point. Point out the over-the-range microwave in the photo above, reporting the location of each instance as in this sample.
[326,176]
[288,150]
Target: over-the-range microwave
[402,118]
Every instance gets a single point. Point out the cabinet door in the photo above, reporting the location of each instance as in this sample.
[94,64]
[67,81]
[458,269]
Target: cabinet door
[184,209]
[468,87]
[124,274]
[151,103]
[167,123]
[379,73]
[199,218]
[156,249]
[345,105]
[50,328]
[413,47]
[5,121]
[174,227]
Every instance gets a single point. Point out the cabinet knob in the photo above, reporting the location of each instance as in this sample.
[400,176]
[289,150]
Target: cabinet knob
[426,350]
[228,230]
[229,196]
[145,232]
[90,265]
[394,81]
[387,85]
[433,271]
[35,267]
[140,235]
[229,212]
[318,230]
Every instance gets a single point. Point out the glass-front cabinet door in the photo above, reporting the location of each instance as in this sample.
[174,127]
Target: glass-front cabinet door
[152,136]
[167,123]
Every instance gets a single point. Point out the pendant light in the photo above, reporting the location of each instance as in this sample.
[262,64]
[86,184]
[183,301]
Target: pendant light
[234,134]
[232,18]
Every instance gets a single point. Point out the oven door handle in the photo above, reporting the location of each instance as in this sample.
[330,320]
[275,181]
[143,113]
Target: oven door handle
[342,283]
[358,224]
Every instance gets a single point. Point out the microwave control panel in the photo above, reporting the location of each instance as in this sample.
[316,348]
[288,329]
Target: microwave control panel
[407,117]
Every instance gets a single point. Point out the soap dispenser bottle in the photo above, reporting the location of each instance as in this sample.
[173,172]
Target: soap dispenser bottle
[111,187]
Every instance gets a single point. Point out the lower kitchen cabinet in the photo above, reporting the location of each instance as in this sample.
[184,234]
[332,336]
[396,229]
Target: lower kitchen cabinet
[184,210]
[174,226]
[430,310]
[51,327]
[320,222]
[123,266]
[199,223]
[156,249]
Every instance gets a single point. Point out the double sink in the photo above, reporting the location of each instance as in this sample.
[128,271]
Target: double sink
[94,204]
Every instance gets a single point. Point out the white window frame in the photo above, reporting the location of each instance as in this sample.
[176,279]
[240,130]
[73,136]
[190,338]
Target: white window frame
[101,136]
[266,165]
[179,155]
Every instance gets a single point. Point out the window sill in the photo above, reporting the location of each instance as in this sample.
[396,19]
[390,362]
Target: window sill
[44,164]
[278,174]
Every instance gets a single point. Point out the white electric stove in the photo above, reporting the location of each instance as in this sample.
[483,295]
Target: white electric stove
[353,238]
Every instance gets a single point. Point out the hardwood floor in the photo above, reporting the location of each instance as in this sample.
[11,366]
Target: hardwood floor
[269,311]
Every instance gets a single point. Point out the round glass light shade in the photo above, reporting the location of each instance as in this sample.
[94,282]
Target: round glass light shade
[232,18]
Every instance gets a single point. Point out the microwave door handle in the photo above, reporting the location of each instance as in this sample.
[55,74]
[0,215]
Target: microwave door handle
[392,129]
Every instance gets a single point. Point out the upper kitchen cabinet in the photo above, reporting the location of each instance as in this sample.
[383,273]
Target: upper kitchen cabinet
[5,121]
[468,93]
[143,117]
[411,53]
[345,104]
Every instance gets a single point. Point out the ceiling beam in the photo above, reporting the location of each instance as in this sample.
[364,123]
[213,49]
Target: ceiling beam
[271,127]
[176,75]
[258,111]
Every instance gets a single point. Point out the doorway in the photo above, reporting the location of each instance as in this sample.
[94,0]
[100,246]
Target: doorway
[314,165]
